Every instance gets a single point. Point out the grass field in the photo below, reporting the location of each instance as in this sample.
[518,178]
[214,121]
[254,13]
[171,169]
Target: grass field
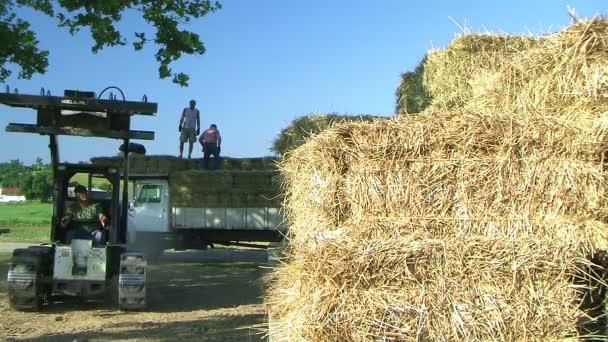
[83,179]
[25,214]
[27,234]
[28,221]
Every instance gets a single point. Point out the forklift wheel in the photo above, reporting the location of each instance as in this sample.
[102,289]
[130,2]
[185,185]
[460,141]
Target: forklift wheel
[26,291]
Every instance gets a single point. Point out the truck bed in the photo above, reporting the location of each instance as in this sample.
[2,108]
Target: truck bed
[228,218]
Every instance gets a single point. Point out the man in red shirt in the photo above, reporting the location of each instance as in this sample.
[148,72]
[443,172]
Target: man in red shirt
[211,141]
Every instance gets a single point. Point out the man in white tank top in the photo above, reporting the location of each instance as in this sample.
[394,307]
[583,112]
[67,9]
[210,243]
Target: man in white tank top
[190,127]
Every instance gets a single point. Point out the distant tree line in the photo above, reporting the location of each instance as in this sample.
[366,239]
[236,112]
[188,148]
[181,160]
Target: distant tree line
[35,181]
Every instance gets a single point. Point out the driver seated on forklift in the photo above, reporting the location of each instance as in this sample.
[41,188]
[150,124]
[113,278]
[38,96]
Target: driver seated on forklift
[85,220]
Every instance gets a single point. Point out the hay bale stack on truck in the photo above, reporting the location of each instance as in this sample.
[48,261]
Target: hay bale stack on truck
[176,207]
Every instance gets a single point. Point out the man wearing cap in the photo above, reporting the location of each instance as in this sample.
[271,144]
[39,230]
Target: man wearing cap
[85,219]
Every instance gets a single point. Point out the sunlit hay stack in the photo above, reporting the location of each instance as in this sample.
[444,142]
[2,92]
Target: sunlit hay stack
[411,93]
[477,174]
[304,127]
[567,75]
[474,223]
[480,187]
[561,73]
[455,76]
[456,288]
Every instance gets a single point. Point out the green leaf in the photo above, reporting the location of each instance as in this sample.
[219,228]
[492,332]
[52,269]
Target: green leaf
[19,44]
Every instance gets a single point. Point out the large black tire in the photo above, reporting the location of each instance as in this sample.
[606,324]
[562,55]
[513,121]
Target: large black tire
[27,289]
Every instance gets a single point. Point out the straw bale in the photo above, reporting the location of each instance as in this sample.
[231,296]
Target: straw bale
[454,288]
[167,164]
[304,127]
[449,74]
[223,188]
[411,93]
[566,75]
[560,73]
[459,167]
[453,177]
[481,222]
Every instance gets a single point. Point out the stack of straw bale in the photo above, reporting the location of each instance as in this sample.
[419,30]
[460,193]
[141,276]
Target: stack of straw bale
[225,189]
[478,219]
[240,183]
[158,164]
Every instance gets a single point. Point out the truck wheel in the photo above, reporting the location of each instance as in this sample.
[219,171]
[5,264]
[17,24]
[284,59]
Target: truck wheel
[25,280]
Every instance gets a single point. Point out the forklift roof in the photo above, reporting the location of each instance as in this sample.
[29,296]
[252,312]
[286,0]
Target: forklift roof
[80,114]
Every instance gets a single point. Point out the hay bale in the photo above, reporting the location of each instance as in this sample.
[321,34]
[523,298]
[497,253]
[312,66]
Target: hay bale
[562,72]
[452,76]
[215,189]
[462,168]
[163,164]
[478,223]
[305,127]
[409,289]
[566,75]
[411,94]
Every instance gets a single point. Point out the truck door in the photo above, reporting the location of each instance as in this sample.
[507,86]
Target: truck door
[148,212]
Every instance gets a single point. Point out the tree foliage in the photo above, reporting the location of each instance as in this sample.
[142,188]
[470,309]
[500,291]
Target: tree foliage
[20,46]
[10,172]
[35,181]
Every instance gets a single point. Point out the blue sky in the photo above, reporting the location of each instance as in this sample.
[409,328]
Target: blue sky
[267,62]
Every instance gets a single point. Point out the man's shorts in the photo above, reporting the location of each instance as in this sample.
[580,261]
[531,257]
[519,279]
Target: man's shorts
[188,134]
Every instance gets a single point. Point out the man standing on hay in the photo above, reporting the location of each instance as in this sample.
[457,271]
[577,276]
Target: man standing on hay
[211,141]
[190,127]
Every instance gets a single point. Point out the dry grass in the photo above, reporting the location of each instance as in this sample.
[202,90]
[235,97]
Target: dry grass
[563,73]
[303,128]
[474,220]
[456,288]
[477,171]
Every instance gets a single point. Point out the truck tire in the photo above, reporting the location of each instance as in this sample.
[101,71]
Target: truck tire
[27,290]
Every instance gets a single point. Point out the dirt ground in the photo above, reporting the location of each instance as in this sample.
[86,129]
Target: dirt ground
[188,301]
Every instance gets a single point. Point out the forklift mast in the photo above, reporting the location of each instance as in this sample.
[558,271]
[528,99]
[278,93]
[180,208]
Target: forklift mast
[79,113]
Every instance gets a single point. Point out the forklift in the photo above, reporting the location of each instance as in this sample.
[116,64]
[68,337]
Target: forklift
[79,268]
